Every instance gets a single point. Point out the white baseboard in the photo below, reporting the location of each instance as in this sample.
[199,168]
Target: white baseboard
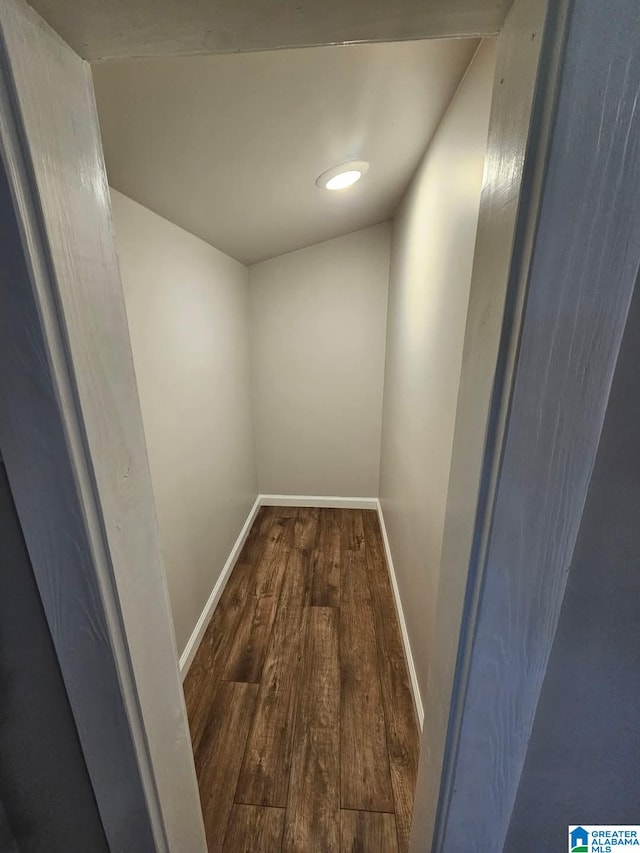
[318,501]
[187,656]
[417,701]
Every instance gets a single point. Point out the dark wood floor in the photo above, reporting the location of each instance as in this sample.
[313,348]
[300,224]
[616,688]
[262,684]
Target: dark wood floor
[301,716]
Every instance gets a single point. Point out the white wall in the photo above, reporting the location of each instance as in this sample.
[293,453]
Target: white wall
[187,305]
[432,249]
[318,318]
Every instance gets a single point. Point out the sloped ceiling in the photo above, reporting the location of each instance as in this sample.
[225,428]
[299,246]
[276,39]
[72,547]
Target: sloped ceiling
[229,146]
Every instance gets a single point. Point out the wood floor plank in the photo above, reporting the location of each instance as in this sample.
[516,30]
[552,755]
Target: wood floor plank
[219,755]
[254,829]
[372,531]
[264,778]
[270,564]
[280,536]
[285,511]
[210,660]
[365,774]
[312,821]
[255,542]
[306,528]
[249,647]
[354,580]
[298,579]
[352,530]
[224,619]
[403,735]
[367,832]
[325,561]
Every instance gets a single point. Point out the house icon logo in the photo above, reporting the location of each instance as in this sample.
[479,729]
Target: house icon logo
[579,840]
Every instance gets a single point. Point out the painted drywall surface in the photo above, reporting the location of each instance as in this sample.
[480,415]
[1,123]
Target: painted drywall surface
[272,103]
[187,305]
[432,251]
[318,340]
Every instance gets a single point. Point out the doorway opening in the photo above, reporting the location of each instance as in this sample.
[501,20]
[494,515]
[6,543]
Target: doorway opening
[298,353]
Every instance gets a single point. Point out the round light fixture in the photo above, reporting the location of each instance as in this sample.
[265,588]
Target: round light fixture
[342,176]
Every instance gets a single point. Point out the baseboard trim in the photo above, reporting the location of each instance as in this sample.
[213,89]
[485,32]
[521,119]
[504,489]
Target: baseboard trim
[318,501]
[187,656]
[417,701]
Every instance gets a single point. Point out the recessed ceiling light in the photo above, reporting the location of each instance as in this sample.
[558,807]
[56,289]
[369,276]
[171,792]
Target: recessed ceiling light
[342,176]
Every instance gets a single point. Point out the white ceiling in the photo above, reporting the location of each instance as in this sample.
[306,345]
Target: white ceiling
[124,28]
[229,146]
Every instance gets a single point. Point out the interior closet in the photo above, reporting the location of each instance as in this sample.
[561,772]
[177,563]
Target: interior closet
[323,375]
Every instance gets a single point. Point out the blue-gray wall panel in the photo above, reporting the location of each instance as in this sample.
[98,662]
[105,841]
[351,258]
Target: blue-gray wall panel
[583,760]
[46,798]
